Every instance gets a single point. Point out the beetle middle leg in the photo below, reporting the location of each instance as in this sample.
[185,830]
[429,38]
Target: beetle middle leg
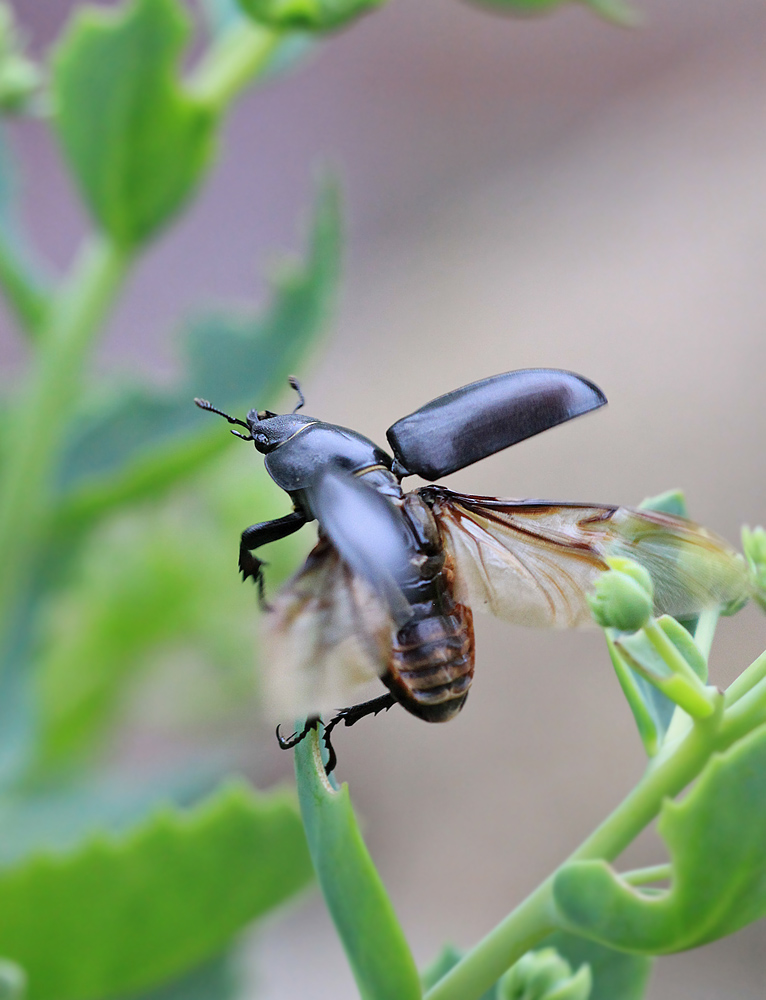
[261,534]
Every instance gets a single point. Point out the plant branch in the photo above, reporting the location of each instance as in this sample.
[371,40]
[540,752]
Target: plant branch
[535,918]
[38,422]
[242,53]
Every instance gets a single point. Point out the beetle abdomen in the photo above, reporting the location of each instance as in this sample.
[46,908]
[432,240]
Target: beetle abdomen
[431,666]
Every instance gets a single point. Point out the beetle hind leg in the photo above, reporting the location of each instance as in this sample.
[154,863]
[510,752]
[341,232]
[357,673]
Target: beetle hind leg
[348,716]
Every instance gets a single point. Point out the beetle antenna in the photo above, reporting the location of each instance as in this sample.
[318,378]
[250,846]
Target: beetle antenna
[295,384]
[204,405]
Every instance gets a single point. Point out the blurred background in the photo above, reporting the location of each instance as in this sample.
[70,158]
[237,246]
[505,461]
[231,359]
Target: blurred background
[542,192]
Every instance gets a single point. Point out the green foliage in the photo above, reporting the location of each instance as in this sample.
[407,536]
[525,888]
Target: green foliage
[615,974]
[545,975]
[121,914]
[715,837]
[136,142]
[310,15]
[20,275]
[112,576]
[138,443]
[375,944]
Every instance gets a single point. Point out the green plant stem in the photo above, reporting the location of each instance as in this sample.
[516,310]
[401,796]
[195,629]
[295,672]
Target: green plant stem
[642,876]
[747,680]
[232,62]
[535,918]
[39,420]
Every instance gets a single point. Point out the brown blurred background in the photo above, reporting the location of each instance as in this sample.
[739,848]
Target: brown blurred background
[520,193]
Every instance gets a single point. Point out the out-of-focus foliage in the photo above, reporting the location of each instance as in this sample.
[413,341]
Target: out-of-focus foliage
[123,913]
[116,881]
[311,15]
[119,513]
[136,142]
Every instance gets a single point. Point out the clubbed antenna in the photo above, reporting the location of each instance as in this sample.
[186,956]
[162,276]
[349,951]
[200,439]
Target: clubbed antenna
[204,405]
[295,384]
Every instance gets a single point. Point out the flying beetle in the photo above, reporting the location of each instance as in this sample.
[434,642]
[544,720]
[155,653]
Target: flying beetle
[388,590]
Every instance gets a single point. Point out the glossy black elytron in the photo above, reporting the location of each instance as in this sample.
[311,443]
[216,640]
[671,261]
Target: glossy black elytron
[390,539]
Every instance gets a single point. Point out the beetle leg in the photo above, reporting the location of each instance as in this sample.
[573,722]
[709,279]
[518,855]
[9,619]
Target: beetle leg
[348,716]
[292,741]
[261,534]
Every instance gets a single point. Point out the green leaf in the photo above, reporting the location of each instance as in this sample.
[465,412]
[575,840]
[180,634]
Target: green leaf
[715,838]
[308,15]
[375,944]
[123,914]
[136,142]
[142,443]
[22,277]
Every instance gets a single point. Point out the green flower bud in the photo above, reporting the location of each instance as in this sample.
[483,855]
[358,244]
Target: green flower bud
[20,79]
[307,15]
[545,975]
[623,597]
[754,546]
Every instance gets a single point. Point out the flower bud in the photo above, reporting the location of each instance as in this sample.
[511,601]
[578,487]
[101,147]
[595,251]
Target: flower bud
[20,78]
[623,597]
[754,546]
[545,975]
[307,15]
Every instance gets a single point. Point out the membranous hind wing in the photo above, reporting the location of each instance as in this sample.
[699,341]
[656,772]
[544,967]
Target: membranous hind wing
[328,632]
[532,562]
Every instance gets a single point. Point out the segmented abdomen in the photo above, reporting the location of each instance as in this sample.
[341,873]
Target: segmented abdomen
[432,662]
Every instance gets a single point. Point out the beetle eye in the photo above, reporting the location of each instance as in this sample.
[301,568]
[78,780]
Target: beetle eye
[265,414]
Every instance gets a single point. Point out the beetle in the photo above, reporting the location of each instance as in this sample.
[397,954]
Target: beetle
[389,588]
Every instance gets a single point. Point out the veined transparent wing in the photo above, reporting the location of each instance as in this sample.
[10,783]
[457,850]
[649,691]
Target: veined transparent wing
[531,562]
[326,635]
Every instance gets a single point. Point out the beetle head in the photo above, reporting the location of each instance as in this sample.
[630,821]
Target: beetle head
[265,429]
[269,430]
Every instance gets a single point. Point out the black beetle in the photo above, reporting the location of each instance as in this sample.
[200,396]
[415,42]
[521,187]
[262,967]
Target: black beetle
[388,591]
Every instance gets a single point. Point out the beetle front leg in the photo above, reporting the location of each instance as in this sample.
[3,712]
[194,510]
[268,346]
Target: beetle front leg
[261,534]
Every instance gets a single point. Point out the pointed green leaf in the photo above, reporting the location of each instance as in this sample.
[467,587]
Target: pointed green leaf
[715,838]
[126,913]
[136,142]
[141,443]
[377,950]
[21,276]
